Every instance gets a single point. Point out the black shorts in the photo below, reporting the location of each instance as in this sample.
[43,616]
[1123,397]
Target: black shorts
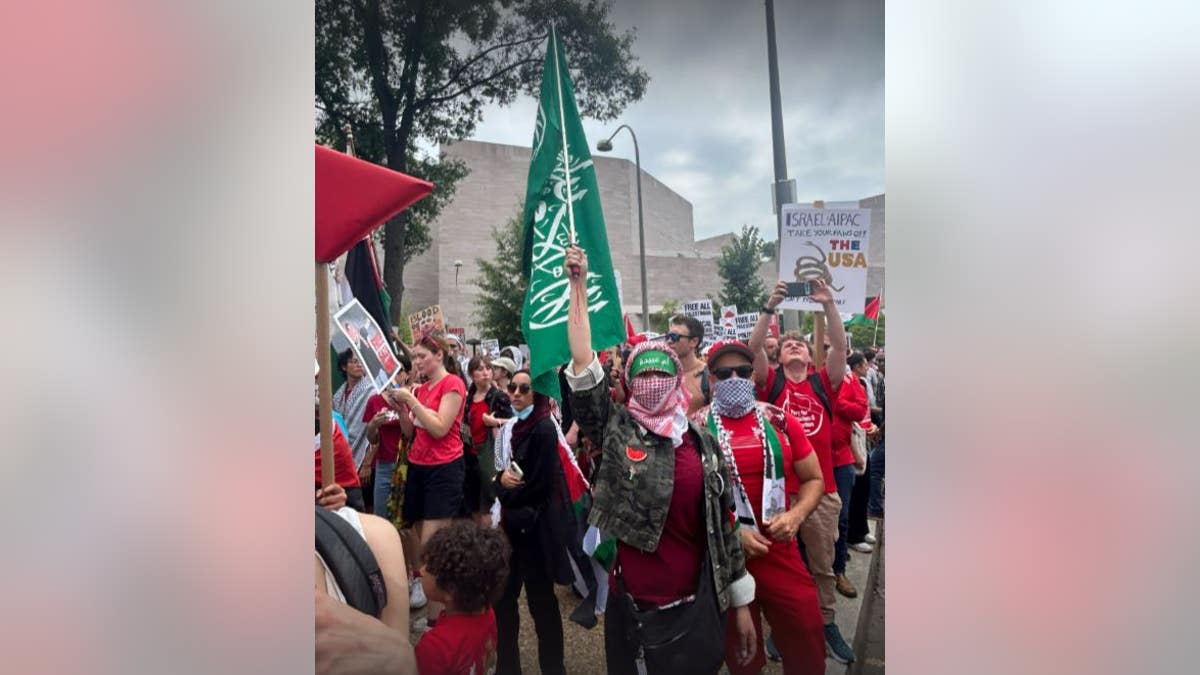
[434,491]
[471,482]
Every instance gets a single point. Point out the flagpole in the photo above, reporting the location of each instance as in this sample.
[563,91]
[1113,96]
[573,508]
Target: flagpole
[875,339]
[562,125]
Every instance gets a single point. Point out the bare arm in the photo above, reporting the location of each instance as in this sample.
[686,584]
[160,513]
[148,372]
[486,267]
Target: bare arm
[835,360]
[384,541]
[438,422]
[579,326]
[758,336]
[812,484]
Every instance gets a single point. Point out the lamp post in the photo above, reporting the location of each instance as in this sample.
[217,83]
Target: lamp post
[457,266]
[605,146]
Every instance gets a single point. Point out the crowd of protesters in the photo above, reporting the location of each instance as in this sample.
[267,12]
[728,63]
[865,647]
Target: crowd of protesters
[731,482]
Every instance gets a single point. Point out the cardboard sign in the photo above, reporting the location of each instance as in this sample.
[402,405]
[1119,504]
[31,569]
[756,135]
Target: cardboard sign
[369,343]
[826,243]
[460,332]
[429,318]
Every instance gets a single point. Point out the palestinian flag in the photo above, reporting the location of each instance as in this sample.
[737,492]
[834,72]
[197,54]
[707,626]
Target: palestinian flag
[869,315]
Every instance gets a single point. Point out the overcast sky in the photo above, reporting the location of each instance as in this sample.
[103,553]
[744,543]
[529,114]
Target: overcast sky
[704,125]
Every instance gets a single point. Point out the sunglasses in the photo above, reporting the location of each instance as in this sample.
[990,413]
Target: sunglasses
[512,388]
[676,337]
[743,372]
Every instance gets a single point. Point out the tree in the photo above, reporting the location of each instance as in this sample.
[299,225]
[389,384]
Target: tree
[661,320]
[738,269]
[401,71]
[502,286]
[862,335]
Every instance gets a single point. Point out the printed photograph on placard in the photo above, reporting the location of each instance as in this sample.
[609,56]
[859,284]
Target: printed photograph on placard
[369,343]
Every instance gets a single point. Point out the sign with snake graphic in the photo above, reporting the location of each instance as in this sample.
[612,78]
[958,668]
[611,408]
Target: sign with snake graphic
[830,244]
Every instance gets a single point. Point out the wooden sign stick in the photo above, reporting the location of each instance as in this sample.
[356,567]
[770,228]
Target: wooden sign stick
[324,376]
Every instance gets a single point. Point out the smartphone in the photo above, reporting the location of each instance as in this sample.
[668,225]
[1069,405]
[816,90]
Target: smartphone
[799,289]
[512,466]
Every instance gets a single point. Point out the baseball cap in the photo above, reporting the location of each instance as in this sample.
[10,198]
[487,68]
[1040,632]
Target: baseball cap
[505,363]
[726,346]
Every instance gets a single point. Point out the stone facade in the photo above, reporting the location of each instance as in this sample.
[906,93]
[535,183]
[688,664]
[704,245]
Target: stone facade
[677,266]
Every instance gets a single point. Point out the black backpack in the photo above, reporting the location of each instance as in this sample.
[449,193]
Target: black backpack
[814,380]
[351,562]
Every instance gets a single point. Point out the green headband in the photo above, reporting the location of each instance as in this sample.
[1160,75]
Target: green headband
[652,359]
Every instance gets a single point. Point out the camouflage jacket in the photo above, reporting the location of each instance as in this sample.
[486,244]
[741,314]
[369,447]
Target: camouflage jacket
[630,498]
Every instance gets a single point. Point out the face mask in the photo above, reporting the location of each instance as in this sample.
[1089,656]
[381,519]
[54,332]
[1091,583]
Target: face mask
[733,397]
[650,392]
[524,413]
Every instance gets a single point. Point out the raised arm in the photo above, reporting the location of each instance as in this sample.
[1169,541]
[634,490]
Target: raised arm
[579,326]
[835,360]
[758,336]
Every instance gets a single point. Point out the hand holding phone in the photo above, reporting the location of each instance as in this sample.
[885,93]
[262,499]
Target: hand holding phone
[515,468]
[799,289]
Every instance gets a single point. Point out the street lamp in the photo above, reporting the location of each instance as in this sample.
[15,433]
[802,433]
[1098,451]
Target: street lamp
[457,266]
[605,146]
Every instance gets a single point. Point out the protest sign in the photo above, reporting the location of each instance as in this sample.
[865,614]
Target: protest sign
[744,324]
[702,311]
[826,243]
[490,346]
[429,318]
[460,332]
[369,343]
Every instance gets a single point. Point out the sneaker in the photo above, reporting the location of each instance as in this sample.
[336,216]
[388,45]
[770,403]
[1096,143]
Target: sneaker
[835,646]
[772,650]
[862,547]
[870,539]
[416,594]
[846,588]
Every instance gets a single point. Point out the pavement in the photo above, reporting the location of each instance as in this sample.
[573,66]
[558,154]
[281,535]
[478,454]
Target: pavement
[585,648]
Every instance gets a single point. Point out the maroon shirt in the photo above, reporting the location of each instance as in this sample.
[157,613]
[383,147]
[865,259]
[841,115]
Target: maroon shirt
[672,571]
[390,435]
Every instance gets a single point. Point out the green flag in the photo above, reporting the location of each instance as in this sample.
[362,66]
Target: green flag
[562,196]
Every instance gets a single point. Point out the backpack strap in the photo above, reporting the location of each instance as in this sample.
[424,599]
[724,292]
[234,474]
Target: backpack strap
[777,385]
[705,390]
[818,388]
[351,562]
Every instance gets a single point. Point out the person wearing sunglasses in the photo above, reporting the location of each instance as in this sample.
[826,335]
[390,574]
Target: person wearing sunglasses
[776,484]
[487,405]
[684,336]
[536,515]
[809,394]
[662,491]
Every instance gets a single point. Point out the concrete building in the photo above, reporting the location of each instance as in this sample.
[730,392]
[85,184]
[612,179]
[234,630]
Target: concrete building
[677,266]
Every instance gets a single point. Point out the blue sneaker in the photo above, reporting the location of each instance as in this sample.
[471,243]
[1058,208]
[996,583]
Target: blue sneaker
[772,650]
[835,646]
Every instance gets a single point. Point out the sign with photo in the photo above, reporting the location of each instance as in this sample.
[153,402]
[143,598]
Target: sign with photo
[429,318]
[369,343]
[490,346]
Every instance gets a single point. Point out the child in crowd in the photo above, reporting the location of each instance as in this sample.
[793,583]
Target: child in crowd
[465,568]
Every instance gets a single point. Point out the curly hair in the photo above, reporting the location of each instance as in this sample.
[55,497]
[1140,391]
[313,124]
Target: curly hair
[470,563]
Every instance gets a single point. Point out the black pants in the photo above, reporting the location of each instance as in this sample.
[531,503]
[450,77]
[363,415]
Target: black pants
[858,530]
[527,568]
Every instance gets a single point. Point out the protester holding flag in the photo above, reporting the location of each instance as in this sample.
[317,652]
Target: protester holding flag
[433,494]
[350,400]
[676,572]
[769,458]
[535,513]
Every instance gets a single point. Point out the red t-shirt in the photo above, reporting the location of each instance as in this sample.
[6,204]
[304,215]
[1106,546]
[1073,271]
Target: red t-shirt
[748,453]
[459,644]
[390,435]
[344,472]
[672,571]
[798,400]
[479,431]
[849,406]
[427,450]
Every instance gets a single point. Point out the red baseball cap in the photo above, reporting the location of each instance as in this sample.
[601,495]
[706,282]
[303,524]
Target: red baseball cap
[726,346]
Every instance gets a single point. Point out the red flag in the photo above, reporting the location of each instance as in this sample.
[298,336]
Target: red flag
[354,197]
[872,311]
[774,327]
[629,332]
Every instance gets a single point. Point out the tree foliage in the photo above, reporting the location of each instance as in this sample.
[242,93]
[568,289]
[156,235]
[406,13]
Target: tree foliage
[502,286]
[862,336]
[738,269]
[661,320]
[397,72]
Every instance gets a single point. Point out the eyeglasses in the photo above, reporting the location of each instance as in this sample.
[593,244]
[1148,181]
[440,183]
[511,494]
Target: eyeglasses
[512,388]
[743,372]
[676,337]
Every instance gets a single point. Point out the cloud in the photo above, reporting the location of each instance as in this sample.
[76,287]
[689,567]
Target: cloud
[704,126]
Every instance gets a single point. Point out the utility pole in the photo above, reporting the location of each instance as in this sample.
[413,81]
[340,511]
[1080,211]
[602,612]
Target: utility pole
[783,188]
